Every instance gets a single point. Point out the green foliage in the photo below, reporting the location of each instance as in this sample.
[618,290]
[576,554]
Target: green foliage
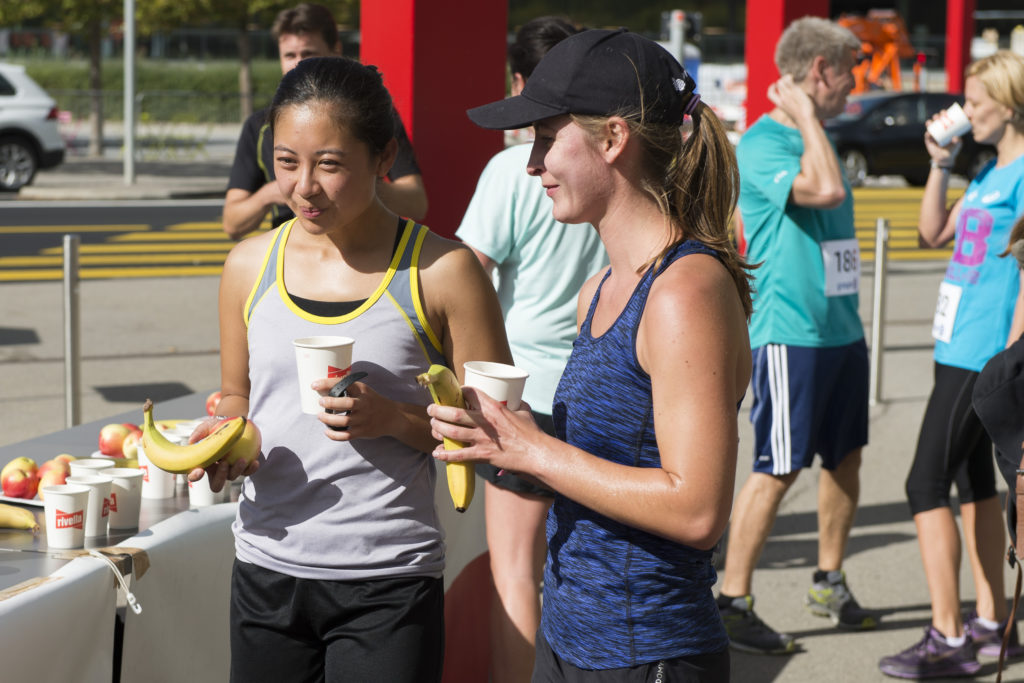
[198,92]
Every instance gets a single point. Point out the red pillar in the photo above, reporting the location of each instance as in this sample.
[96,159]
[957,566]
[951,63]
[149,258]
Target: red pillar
[766,20]
[959,32]
[440,58]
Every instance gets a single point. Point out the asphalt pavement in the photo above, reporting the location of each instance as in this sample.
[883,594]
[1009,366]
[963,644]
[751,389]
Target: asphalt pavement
[158,338]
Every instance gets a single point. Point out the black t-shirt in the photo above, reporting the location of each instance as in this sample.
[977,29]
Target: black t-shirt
[250,171]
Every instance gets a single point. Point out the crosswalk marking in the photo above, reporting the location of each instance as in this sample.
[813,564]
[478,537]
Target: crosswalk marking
[200,247]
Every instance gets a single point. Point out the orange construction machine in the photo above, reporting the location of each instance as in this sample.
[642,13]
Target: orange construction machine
[884,41]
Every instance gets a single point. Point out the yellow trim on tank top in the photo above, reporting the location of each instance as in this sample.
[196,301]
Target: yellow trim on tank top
[414,283]
[370,301]
[249,304]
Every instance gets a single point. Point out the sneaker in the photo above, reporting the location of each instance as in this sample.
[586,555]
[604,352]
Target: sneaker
[748,633]
[835,601]
[932,658]
[988,641]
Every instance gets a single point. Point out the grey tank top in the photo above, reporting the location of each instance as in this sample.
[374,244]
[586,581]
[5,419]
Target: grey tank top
[323,509]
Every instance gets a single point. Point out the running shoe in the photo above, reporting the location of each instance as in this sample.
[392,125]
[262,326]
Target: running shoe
[988,641]
[835,601]
[748,633]
[932,658]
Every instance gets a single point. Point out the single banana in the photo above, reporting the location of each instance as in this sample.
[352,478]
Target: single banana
[14,517]
[180,459]
[445,390]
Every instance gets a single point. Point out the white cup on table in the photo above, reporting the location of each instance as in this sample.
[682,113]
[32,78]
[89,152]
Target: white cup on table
[65,507]
[200,494]
[125,496]
[156,483]
[86,466]
[97,514]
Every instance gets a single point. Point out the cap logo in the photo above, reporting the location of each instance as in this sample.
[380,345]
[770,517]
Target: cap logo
[679,84]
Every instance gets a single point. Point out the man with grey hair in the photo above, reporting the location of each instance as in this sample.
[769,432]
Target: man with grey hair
[810,377]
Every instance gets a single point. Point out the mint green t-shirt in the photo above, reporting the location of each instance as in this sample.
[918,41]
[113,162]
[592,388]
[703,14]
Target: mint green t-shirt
[541,266]
[794,301]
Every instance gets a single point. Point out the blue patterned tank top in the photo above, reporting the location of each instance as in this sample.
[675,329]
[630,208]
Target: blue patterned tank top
[616,596]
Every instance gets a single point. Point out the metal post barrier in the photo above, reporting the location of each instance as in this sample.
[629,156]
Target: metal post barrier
[878,309]
[72,352]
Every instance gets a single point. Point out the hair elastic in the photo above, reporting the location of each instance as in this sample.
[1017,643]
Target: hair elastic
[691,104]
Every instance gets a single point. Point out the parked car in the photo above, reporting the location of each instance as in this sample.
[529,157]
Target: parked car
[883,134]
[29,137]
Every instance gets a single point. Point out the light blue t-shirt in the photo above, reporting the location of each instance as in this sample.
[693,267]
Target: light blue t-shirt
[789,241]
[979,289]
[541,266]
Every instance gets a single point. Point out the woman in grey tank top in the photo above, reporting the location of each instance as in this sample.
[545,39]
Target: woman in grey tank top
[339,549]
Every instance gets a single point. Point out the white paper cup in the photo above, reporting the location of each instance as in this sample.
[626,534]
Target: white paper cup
[84,466]
[97,515]
[200,494]
[319,357]
[504,383]
[65,509]
[156,483]
[125,496]
[950,123]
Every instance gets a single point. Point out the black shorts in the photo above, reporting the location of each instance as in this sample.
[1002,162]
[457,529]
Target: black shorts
[712,668]
[306,630]
[952,446]
[513,482]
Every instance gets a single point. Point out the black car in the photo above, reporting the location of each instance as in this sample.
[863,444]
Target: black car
[883,134]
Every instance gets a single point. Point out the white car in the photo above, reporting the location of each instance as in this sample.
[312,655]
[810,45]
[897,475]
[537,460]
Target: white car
[29,137]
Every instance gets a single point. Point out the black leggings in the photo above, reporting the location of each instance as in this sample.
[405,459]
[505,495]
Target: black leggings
[952,446]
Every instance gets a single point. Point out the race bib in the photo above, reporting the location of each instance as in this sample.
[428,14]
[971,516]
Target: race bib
[842,266]
[945,311]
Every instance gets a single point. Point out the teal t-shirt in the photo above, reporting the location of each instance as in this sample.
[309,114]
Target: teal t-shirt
[541,266]
[979,290]
[795,301]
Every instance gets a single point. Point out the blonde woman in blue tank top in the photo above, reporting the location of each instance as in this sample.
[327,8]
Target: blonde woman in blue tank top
[339,550]
[644,461]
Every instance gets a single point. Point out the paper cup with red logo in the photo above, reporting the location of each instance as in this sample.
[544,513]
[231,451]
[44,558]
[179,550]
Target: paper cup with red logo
[156,483]
[125,496]
[65,508]
[504,383]
[320,357]
[97,516]
[950,123]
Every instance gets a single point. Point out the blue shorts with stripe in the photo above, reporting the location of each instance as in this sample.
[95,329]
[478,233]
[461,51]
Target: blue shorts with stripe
[807,402]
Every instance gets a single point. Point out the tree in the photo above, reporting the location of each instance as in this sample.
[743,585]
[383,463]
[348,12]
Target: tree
[88,18]
[242,15]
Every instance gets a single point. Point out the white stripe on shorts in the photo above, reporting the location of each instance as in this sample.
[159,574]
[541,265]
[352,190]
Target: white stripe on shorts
[778,383]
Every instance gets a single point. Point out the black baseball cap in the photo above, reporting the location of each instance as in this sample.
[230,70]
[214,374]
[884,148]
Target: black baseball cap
[598,72]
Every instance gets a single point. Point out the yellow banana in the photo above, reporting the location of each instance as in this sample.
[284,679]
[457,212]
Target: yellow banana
[14,517]
[445,390]
[179,459]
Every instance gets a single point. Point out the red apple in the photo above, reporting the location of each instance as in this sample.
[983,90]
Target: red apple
[66,457]
[111,438]
[211,403]
[20,484]
[130,445]
[27,465]
[52,472]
